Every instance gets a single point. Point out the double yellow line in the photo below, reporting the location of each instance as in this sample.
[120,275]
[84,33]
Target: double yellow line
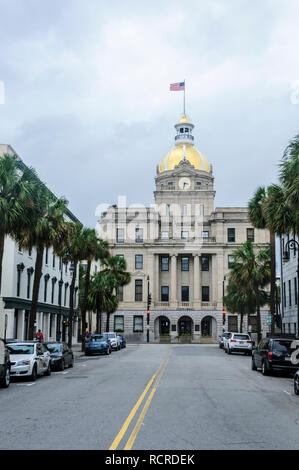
[153,382]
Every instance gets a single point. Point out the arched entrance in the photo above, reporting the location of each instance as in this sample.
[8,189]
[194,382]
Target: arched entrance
[209,327]
[162,326]
[185,326]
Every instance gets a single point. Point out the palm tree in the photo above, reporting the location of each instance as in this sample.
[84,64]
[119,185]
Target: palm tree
[46,227]
[101,297]
[117,266]
[74,252]
[252,272]
[95,249]
[257,217]
[14,195]
[289,174]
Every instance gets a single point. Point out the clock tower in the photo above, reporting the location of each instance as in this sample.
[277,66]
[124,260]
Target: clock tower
[184,177]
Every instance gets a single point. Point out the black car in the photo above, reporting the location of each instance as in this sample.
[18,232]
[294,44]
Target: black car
[61,355]
[4,366]
[274,354]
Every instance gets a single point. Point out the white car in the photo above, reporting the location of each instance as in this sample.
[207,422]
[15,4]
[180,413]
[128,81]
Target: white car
[29,359]
[114,340]
[238,342]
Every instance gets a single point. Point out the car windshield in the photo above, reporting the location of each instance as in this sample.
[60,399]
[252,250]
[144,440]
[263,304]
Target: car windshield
[282,346]
[54,348]
[244,337]
[97,338]
[21,348]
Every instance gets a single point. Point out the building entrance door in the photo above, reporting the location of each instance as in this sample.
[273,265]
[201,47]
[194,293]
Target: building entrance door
[206,327]
[164,326]
[185,326]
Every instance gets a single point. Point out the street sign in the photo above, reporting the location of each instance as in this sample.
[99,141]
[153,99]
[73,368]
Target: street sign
[269,320]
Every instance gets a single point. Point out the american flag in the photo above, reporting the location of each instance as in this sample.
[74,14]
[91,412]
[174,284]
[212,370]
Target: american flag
[177,86]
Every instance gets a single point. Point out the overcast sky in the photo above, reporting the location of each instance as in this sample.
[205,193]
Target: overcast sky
[87,100]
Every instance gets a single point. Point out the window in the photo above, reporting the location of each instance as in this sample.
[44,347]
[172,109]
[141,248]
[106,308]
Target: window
[185,210]
[19,282]
[138,290]
[250,234]
[185,264]
[167,209]
[120,293]
[28,283]
[164,235]
[46,278]
[47,255]
[138,324]
[205,293]
[295,290]
[201,209]
[205,234]
[170,184]
[138,261]
[139,235]
[230,261]
[165,294]
[164,263]
[198,184]
[119,323]
[185,293]
[205,263]
[53,264]
[231,236]
[233,323]
[290,294]
[65,292]
[184,235]
[284,295]
[253,323]
[120,235]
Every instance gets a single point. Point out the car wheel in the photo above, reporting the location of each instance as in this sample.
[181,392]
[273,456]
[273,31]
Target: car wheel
[33,376]
[62,365]
[107,352]
[48,371]
[6,380]
[253,366]
[296,388]
[264,368]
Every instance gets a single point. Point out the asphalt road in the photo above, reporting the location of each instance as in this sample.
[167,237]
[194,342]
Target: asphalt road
[154,397]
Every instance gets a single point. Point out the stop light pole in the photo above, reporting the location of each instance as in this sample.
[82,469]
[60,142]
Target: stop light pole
[149,301]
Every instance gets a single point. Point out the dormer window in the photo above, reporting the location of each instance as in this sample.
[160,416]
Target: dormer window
[181,130]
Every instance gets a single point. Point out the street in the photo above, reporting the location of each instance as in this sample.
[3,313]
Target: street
[153,397]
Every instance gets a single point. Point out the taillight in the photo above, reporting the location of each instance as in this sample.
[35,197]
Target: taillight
[233,340]
[249,341]
[270,355]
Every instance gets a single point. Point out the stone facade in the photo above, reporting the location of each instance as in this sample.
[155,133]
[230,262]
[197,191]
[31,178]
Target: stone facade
[179,250]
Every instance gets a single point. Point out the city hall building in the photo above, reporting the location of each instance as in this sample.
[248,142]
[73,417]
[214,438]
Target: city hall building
[179,250]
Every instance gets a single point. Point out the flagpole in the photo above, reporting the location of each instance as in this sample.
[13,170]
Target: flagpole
[184,96]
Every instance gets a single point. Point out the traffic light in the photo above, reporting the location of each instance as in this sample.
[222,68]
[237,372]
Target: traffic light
[223,316]
[149,301]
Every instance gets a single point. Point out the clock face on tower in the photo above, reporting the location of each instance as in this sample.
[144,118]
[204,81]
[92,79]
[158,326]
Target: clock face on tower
[184,183]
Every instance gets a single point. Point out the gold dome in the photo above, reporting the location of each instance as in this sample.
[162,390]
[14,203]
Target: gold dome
[184,119]
[174,156]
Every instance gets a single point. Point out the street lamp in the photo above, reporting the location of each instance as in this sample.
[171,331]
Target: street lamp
[294,246]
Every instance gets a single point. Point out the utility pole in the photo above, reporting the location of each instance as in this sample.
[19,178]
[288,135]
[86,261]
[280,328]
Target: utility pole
[149,301]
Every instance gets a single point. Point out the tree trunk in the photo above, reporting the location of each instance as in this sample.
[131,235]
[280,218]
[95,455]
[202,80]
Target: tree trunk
[258,314]
[84,303]
[35,291]
[107,322]
[71,313]
[2,238]
[273,281]
[241,322]
[99,321]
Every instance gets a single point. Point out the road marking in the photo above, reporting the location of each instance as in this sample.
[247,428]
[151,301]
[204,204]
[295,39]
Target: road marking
[139,423]
[286,392]
[29,385]
[134,410]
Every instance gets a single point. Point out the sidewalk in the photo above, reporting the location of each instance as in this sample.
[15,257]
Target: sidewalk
[76,348]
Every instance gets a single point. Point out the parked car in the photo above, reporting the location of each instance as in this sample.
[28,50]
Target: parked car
[222,337]
[296,383]
[238,342]
[61,355]
[29,359]
[114,340]
[97,344]
[274,354]
[123,342]
[4,365]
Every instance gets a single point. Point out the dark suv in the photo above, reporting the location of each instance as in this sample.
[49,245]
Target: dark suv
[4,365]
[274,353]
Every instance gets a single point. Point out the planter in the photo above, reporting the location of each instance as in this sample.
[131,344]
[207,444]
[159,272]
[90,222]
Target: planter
[165,339]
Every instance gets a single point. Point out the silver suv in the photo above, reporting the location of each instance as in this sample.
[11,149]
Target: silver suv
[238,342]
